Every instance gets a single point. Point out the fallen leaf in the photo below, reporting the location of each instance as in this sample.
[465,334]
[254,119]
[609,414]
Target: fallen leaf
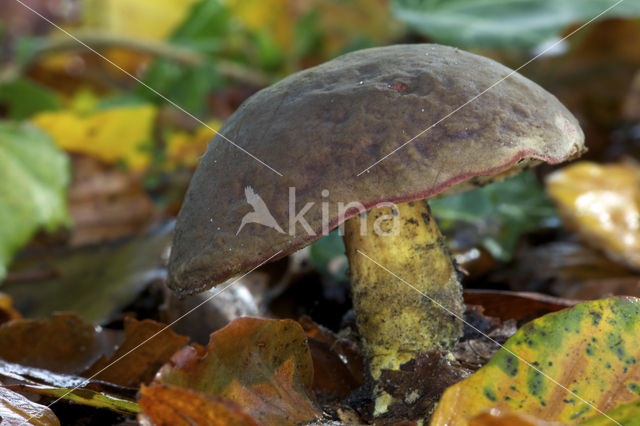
[82,396]
[116,135]
[106,202]
[95,282]
[145,349]
[626,414]
[16,409]
[590,349]
[69,387]
[602,204]
[263,365]
[62,344]
[34,176]
[175,406]
[520,306]
[337,363]
[568,265]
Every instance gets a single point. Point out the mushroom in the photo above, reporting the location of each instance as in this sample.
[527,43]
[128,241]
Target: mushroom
[327,128]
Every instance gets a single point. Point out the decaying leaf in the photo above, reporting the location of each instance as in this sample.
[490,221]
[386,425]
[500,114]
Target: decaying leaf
[176,406]
[16,409]
[106,202]
[590,349]
[101,279]
[602,203]
[63,344]
[263,365]
[145,349]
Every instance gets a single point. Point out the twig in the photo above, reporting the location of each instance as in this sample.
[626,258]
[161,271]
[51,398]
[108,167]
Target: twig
[182,55]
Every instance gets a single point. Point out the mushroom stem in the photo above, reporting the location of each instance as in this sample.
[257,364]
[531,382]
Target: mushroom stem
[396,321]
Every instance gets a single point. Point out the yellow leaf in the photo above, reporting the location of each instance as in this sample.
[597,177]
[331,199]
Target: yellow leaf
[602,204]
[147,19]
[113,136]
[591,349]
[185,149]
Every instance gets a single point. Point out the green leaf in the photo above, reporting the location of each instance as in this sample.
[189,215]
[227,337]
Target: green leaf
[500,212]
[560,367]
[502,23]
[34,176]
[23,98]
[627,414]
[203,30]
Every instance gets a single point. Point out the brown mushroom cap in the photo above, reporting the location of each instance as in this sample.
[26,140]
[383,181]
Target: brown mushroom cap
[322,126]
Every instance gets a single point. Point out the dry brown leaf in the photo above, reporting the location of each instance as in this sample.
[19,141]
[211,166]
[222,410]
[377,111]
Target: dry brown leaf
[150,347]
[62,344]
[106,203]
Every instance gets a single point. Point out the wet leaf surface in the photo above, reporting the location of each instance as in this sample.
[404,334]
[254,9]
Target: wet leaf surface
[68,387]
[16,409]
[263,365]
[173,405]
[602,204]
[590,349]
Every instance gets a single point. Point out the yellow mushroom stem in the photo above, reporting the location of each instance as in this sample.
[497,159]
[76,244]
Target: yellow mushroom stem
[397,320]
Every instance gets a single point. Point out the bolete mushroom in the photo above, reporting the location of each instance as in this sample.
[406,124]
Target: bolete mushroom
[323,126]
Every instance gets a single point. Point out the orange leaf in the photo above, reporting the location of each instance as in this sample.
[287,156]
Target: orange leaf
[264,365]
[175,406]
